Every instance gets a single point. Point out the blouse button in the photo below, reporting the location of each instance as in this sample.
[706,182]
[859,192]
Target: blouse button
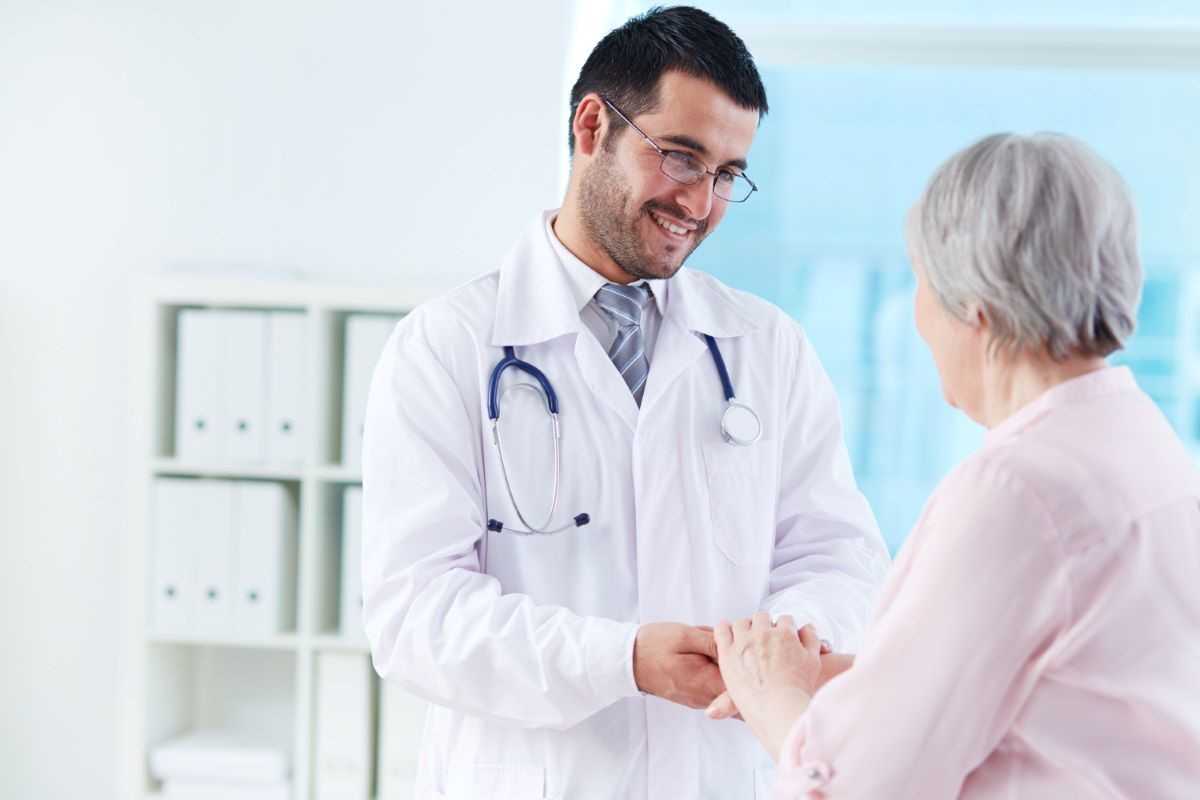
[817,774]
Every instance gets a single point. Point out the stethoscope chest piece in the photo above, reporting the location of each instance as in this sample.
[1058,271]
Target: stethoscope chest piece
[740,425]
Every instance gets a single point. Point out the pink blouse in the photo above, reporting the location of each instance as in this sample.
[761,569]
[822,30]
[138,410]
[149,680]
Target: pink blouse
[1039,635]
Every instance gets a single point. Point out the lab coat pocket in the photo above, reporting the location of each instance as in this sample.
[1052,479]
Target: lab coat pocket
[740,495]
[496,782]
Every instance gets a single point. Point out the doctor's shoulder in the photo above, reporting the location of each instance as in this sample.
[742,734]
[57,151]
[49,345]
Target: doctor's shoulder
[773,327]
[462,317]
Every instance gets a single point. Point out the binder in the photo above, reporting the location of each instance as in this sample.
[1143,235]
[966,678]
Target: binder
[209,526]
[366,336]
[200,426]
[265,536]
[351,603]
[345,725]
[245,384]
[286,387]
[172,571]
[401,726]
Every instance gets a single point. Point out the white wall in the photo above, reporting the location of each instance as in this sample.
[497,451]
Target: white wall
[350,142]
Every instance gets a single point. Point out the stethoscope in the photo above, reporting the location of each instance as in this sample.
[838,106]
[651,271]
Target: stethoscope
[740,426]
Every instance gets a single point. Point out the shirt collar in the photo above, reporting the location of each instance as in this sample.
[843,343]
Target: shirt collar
[536,300]
[1105,381]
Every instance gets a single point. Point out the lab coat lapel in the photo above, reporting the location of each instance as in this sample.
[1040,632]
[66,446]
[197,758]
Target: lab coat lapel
[534,304]
[533,300]
[696,305]
[603,380]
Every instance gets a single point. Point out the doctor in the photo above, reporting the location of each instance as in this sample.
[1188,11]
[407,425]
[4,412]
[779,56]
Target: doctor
[548,596]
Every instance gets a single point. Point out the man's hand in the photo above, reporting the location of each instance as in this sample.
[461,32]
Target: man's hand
[677,663]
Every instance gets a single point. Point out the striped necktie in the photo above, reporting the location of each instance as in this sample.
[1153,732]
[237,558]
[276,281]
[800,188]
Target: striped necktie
[624,305]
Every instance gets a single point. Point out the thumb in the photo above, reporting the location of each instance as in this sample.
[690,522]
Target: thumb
[721,708]
[699,640]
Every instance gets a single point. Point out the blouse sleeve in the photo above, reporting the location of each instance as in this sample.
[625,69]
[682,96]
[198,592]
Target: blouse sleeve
[952,657]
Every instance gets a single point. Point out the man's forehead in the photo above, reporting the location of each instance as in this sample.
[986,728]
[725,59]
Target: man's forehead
[695,113]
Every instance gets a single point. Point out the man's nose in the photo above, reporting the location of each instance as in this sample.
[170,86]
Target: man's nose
[696,199]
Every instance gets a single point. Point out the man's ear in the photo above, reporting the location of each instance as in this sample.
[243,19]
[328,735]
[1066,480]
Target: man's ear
[590,124]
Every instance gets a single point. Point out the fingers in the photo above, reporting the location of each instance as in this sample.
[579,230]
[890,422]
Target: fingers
[721,708]
[723,637]
[786,622]
[697,640]
[810,640]
[761,620]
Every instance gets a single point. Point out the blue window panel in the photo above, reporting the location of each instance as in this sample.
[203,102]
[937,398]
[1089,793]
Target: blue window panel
[841,158]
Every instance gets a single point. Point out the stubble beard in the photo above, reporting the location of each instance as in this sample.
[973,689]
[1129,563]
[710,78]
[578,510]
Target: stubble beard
[603,200]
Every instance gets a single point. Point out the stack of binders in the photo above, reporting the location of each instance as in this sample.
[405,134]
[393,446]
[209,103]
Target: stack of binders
[223,559]
[215,764]
[241,386]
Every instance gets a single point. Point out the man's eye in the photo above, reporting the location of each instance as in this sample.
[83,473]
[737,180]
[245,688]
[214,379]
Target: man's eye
[726,178]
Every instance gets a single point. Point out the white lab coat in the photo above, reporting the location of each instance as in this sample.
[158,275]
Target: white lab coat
[524,644]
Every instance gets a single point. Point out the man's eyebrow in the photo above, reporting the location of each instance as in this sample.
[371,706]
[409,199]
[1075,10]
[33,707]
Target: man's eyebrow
[686,141]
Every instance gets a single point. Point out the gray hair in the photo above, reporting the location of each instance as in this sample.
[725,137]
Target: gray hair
[1040,233]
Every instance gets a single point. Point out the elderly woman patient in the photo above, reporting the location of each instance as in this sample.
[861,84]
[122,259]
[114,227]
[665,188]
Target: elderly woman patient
[1039,636]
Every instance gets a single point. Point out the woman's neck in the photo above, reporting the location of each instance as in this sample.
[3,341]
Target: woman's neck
[1012,382]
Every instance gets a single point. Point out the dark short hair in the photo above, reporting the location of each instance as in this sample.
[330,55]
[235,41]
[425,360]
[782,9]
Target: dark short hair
[627,64]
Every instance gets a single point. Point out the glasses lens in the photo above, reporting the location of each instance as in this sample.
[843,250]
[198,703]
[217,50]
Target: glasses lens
[682,167]
[734,188]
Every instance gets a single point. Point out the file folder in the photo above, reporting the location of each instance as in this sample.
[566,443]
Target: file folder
[366,336]
[172,571]
[345,725]
[209,525]
[200,423]
[287,391]
[266,544]
[351,601]
[245,384]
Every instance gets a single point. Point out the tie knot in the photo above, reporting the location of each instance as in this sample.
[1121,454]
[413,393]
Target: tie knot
[625,303]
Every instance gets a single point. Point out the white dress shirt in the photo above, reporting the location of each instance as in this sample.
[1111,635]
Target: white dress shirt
[584,282]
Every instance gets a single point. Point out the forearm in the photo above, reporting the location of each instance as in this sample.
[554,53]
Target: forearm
[780,713]
[461,644]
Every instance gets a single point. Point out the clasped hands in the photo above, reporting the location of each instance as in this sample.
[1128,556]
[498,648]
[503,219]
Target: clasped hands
[739,669]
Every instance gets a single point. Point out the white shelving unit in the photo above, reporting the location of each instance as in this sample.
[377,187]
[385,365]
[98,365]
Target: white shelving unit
[175,683]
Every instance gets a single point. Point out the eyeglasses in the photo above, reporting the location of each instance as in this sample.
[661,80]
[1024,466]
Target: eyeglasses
[681,167]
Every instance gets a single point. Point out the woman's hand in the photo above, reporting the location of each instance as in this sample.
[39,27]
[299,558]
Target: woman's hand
[770,673]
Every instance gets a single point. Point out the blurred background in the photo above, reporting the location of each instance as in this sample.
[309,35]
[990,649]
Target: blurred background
[370,143]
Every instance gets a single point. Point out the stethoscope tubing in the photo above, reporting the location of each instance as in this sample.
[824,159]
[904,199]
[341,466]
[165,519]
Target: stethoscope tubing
[510,360]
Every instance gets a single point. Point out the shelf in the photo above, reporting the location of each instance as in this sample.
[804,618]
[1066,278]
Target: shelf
[335,642]
[283,641]
[336,473]
[176,467]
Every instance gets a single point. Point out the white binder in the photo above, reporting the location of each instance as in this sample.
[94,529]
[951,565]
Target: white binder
[264,523]
[365,337]
[286,387]
[401,726]
[351,622]
[245,384]
[172,572]
[200,426]
[344,727]
[210,526]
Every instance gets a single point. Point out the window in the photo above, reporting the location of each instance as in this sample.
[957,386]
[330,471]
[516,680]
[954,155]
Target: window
[864,109]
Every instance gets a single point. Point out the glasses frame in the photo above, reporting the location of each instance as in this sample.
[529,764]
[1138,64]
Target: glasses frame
[662,165]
